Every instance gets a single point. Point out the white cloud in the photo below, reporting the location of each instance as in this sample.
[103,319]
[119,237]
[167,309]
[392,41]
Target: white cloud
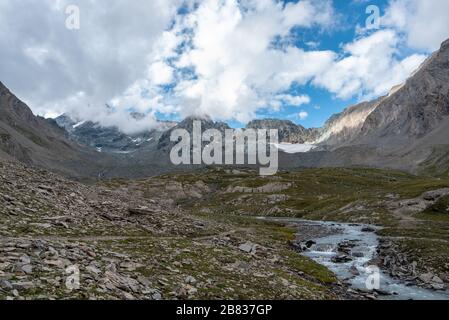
[160,73]
[56,70]
[237,71]
[303,115]
[425,23]
[295,101]
[370,67]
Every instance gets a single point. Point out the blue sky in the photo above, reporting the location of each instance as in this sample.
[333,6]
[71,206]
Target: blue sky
[323,103]
[233,60]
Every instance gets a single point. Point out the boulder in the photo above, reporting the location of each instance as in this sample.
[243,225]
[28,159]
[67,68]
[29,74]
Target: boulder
[341,258]
[248,247]
[426,277]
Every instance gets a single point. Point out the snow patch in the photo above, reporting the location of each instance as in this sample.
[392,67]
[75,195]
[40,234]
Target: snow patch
[79,124]
[294,148]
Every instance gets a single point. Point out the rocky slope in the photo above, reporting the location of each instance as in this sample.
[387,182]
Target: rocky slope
[413,123]
[341,129]
[410,112]
[131,240]
[41,142]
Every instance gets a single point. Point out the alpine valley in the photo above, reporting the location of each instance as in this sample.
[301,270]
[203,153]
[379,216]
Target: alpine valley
[375,177]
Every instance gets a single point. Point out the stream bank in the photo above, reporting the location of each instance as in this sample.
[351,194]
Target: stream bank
[351,251]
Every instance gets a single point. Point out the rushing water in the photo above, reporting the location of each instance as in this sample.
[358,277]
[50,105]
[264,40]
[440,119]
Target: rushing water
[363,249]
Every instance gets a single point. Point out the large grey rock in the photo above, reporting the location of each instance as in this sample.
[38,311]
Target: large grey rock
[28,269]
[248,247]
[426,277]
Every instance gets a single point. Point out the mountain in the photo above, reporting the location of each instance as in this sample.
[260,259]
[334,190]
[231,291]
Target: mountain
[288,131]
[44,143]
[416,109]
[187,124]
[37,141]
[410,112]
[407,129]
[111,139]
[72,148]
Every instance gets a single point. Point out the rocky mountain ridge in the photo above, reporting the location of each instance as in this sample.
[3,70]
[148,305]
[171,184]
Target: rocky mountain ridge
[110,139]
[410,112]
[289,132]
[416,109]
[405,130]
[187,124]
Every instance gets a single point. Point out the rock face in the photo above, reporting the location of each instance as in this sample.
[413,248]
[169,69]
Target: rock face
[342,129]
[288,131]
[43,143]
[111,139]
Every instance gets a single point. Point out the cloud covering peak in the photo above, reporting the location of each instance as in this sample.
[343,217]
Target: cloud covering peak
[225,58]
